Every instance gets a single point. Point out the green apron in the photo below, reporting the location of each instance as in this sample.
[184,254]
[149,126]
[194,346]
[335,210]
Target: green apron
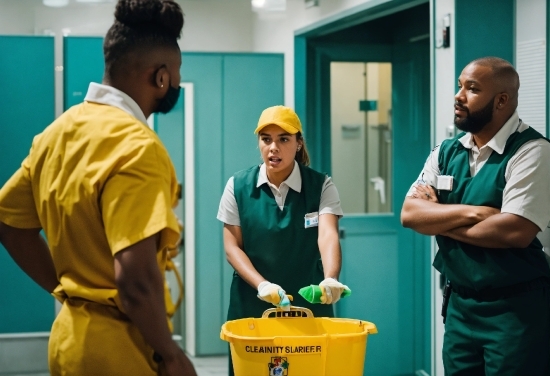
[468,265]
[278,245]
[498,318]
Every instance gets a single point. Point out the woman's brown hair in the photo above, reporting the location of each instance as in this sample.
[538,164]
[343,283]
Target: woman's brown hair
[302,156]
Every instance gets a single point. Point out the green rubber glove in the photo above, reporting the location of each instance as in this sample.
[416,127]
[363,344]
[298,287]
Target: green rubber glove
[313,293]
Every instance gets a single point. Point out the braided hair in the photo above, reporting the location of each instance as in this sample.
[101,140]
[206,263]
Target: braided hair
[141,25]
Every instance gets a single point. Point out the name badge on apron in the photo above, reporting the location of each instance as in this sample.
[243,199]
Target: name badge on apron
[311,220]
[444,183]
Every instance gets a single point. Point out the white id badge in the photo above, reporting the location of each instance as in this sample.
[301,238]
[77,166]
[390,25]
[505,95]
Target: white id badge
[311,220]
[444,183]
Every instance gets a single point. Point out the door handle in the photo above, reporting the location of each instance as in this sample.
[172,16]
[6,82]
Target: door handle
[380,186]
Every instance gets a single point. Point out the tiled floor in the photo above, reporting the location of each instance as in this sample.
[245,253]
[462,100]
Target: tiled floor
[211,365]
[205,366]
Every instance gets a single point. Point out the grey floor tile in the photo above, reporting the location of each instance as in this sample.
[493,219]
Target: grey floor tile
[210,365]
[205,366]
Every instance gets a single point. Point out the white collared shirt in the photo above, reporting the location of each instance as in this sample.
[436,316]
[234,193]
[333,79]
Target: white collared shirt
[104,94]
[527,175]
[228,211]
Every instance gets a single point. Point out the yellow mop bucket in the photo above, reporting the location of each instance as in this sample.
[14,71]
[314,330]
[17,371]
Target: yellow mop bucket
[295,343]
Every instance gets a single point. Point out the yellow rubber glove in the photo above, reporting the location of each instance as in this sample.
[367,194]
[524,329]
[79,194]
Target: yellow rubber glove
[332,290]
[274,294]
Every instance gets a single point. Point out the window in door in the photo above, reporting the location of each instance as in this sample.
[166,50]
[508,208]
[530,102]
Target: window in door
[361,134]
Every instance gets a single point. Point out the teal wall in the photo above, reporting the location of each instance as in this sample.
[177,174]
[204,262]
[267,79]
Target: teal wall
[230,90]
[27,107]
[83,63]
[484,28]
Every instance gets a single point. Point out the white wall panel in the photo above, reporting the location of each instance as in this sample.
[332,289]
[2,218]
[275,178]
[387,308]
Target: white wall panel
[531,62]
[531,67]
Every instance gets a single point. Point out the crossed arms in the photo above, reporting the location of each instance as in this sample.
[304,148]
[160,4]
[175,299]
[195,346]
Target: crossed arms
[482,226]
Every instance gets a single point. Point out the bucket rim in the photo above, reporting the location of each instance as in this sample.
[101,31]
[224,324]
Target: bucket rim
[368,328]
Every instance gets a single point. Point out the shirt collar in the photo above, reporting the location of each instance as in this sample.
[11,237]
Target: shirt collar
[498,142]
[293,181]
[104,94]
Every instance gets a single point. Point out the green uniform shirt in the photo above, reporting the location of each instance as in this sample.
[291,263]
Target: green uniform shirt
[476,267]
[279,246]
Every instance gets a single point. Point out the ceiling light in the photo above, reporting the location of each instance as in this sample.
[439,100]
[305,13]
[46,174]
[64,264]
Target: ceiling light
[269,5]
[55,3]
[94,1]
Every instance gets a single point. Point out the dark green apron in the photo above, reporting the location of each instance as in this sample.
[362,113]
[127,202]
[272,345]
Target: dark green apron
[468,265]
[278,245]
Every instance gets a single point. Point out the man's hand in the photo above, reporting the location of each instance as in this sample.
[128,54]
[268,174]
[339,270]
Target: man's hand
[30,251]
[140,285]
[178,364]
[425,192]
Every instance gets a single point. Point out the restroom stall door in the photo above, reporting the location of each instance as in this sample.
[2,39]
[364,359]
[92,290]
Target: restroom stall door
[26,107]
[83,63]
[230,92]
[204,71]
[252,83]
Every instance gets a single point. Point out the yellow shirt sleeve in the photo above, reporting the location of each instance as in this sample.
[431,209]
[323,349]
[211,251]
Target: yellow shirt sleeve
[136,202]
[17,205]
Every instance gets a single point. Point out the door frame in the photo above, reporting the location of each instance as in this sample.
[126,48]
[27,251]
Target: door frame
[186,314]
[310,64]
[310,60]
[189,319]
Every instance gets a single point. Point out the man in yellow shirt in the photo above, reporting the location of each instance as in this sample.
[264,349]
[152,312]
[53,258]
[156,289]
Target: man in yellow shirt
[101,185]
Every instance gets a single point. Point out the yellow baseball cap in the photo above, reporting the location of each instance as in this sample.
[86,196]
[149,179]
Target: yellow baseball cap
[282,116]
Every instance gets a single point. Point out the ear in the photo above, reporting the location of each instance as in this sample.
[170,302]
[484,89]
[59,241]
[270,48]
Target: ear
[502,100]
[162,77]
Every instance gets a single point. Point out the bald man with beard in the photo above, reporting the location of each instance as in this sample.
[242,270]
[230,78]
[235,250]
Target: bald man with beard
[484,195]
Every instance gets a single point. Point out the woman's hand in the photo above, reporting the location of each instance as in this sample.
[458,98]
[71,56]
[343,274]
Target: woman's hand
[274,294]
[332,290]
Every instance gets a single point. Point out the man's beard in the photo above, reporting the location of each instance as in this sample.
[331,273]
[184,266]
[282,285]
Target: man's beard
[474,122]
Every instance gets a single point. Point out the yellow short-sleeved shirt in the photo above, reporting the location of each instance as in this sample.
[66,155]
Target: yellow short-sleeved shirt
[97,180]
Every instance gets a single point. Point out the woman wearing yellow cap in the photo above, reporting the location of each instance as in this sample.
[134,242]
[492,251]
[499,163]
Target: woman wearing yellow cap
[281,224]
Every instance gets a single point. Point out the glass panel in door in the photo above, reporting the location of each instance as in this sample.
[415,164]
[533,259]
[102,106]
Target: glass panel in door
[361,134]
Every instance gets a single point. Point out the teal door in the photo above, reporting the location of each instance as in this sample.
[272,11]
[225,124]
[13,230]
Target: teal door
[367,108]
[83,63]
[388,267]
[230,91]
[27,107]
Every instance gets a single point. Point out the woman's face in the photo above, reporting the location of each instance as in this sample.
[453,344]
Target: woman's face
[278,148]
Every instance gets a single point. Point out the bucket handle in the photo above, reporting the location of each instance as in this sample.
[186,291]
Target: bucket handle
[294,312]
